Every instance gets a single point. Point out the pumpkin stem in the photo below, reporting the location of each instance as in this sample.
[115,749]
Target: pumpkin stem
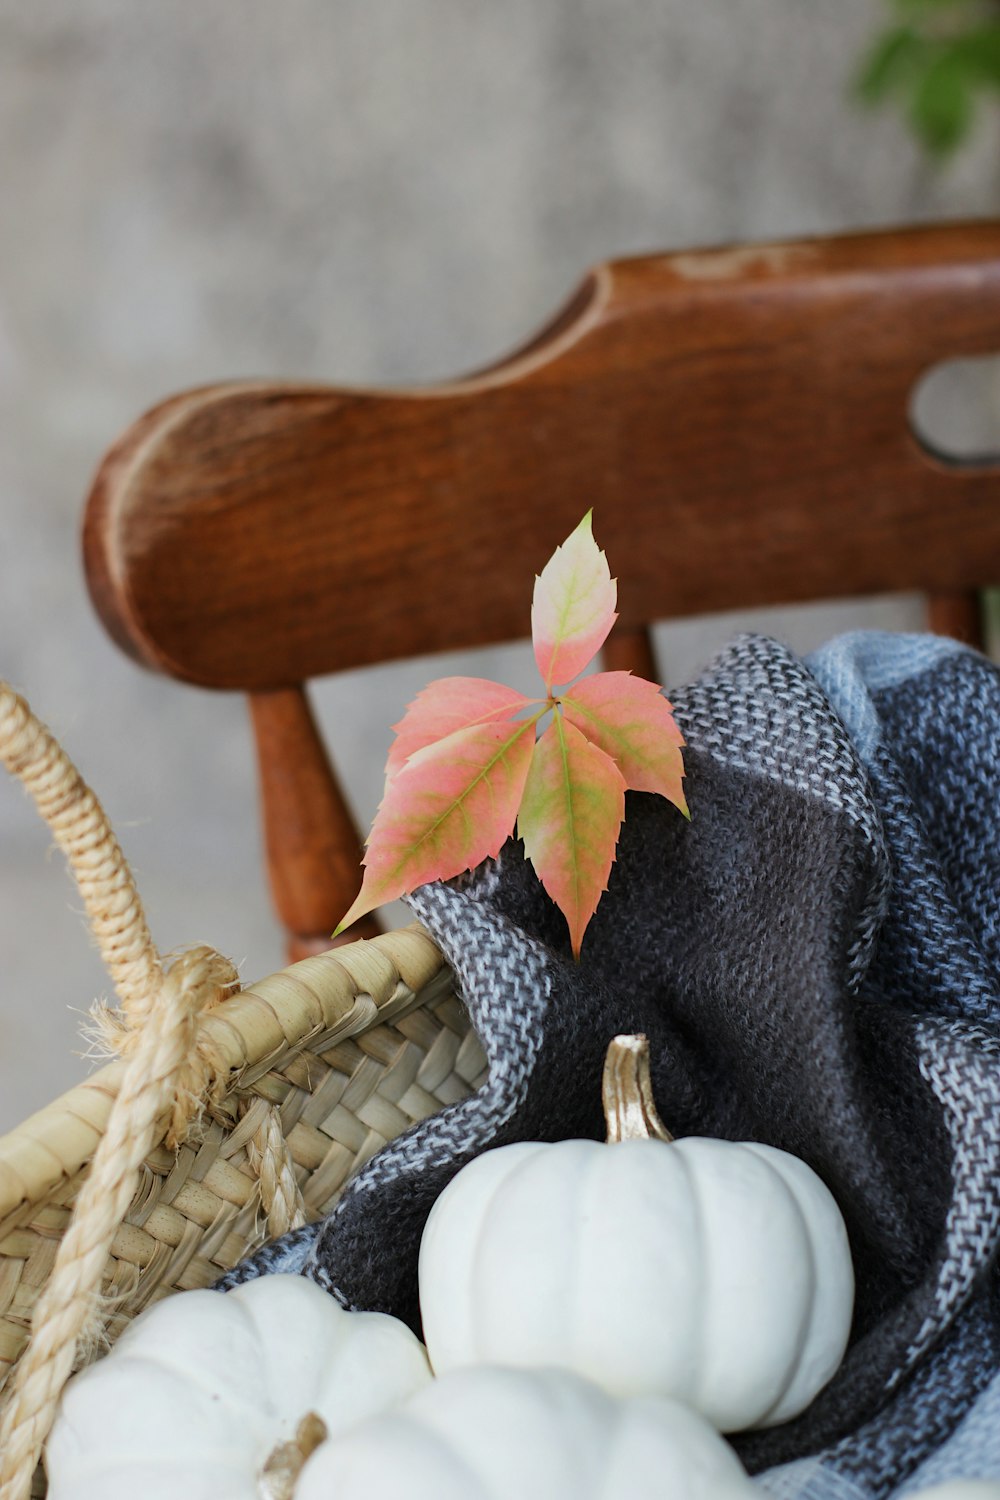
[280,1474]
[627,1093]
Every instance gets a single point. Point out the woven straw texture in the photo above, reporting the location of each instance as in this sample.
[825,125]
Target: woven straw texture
[270,1100]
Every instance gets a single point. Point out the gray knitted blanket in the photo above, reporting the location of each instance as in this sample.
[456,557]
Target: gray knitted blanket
[816,961]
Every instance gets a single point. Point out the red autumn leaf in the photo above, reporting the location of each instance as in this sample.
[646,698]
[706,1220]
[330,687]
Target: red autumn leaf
[571,812]
[451,806]
[462,768]
[446,705]
[573,606]
[630,720]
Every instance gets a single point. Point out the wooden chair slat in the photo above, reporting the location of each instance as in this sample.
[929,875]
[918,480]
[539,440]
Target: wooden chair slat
[738,420]
[312,842]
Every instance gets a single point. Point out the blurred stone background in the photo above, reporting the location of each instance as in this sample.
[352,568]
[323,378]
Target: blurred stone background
[356,191]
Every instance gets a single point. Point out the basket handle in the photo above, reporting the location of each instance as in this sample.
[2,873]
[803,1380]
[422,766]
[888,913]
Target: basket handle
[164,1075]
[80,827]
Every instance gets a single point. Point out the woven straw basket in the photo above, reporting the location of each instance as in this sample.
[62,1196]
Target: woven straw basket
[229,1116]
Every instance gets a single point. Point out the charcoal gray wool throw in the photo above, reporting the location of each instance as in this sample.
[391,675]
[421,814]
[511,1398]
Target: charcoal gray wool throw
[816,962]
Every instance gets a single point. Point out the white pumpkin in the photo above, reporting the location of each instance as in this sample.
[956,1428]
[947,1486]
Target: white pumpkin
[205,1392]
[483,1433]
[713,1272]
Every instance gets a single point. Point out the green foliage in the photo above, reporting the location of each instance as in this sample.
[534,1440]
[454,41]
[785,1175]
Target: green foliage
[936,59]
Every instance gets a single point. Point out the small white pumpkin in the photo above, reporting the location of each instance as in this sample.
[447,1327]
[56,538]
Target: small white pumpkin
[529,1435]
[205,1395]
[714,1272]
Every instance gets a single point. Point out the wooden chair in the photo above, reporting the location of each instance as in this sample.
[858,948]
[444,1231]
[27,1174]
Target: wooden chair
[738,418]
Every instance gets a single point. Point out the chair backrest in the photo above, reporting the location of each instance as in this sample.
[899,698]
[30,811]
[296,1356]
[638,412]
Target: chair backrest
[738,418]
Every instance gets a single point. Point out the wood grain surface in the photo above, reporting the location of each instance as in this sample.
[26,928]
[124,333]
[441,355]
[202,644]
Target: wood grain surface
[739,419]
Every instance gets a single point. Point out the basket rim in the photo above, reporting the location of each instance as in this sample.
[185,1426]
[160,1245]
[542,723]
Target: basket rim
[332,995]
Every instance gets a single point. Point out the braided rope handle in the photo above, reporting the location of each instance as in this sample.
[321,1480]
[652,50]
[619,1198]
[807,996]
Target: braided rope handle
[165,1079]
[82,831]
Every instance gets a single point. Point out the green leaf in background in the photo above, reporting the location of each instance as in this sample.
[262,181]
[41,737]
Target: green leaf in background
[936,59]
[933,7]
[942,103]
[897,57]
[980,52]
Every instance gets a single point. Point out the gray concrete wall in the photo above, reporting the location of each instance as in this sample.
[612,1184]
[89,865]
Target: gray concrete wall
[357,191]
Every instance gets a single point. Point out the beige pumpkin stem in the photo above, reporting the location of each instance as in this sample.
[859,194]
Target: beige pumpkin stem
[280,1474]
[627,1093]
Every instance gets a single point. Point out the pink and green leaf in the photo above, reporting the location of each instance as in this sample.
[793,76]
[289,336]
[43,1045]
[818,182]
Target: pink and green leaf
[630,720]
[451,806]
[449,704]
[463,767]
[573,607]
[570,816]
